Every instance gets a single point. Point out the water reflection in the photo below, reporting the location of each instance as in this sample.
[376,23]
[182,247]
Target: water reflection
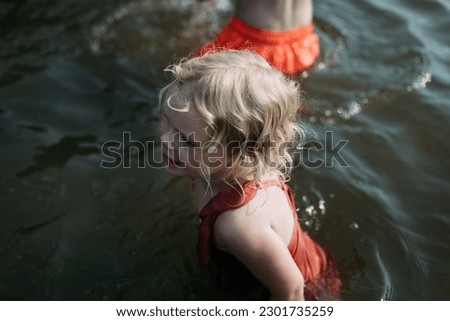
[57,155]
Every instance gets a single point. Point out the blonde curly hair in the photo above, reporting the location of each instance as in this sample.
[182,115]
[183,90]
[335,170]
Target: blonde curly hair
[248,106]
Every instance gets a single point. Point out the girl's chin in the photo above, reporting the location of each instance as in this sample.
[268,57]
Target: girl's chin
[176,170]
[180,170]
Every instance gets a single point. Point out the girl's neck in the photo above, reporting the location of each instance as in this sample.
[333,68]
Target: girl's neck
[204,192]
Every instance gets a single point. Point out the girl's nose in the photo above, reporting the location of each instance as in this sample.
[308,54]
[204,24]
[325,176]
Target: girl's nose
[164,129]
[166,136]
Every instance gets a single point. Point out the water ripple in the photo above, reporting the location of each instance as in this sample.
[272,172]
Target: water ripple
[387,286]
[152,32]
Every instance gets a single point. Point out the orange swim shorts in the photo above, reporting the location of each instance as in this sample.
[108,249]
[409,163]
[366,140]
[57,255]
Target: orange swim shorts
[290,51]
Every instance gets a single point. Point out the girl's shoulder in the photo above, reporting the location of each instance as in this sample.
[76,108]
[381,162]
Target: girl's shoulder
[267,210]
[239,226]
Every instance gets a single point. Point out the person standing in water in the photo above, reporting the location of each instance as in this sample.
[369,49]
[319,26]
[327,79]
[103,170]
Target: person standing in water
[280,31]
[229,122]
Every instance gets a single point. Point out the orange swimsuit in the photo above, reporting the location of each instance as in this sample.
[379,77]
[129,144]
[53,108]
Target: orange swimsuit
[290,51]
[315,263]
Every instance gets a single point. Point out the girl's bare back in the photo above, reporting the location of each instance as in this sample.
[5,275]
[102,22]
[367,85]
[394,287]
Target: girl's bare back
[275,15]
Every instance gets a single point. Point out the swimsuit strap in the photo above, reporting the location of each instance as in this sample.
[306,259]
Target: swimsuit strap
[229,198]
[274,182]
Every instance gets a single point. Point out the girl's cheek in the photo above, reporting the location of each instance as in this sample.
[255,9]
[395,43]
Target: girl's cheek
[197,155]
[216,156]
[189,157]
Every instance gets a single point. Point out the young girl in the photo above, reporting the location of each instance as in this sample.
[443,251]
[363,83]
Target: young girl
[229,122]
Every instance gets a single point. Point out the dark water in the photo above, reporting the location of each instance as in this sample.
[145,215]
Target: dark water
[75,74]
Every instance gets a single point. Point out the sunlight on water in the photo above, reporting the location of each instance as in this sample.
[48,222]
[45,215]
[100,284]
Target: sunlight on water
[311,212]
[421,82]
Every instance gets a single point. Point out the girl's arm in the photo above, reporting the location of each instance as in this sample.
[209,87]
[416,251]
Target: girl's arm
[262,251]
